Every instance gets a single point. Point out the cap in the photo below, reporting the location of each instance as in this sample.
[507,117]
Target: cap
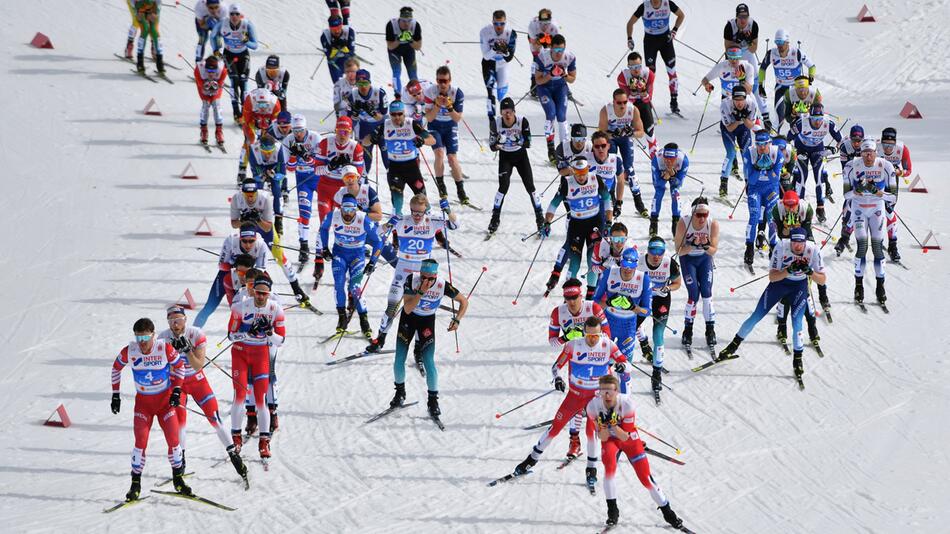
[630,258]
[762,137]
[429,266]
[578,130]
[362,75]
[868,144]
[857,131]
[174,309]
[349,170]
[790,198]
[263,281]
[571,291]
[580,163]
[802,82]
[273,62]
[781,36]
[544,15]
[657,246]
[396,106]
[348,202]
[298,122]
[889,134]
[507,103]
[268,143]
[405,12]
[335,21]
[212,2]
[247,230]
[798,235]
[738,92]
[344,123]
[817,110]
[742,9]
[248,185]
[234,9]
[283,117]
[211,63]
[671,150]
[733,52]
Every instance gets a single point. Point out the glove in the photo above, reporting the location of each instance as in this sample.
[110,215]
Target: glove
[327,254]
[672,35]
[405,36]
[250,215]
[630,44]
[393,220]
[559,384]
[595,234]
[545,230]
[298,149]
[617,208]
[370,267]
[116,403]
[573,334]
[762,90]
[444,204]
[418,141]
[493,142]
[620,368]
[831,149]
[621,302]
[180,344]
[175,399]
[608,419]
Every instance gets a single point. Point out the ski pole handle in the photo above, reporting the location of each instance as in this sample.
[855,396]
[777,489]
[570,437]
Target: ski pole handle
[522,405]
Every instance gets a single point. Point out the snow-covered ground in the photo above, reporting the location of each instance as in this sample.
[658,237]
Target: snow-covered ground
[101,233]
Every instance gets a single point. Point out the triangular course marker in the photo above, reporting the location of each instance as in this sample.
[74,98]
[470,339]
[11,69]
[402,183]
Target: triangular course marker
[40,40]
[189,173]
[910,111]
[207,228]
[865,15]
[926,245]
[63,421]
[917,185]
[151,108]
[189,301]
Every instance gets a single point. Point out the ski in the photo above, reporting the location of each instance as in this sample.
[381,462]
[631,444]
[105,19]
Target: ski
[660,455]
[826,309]
[566,462]
[123,504]
[506,478]
[338,335]
[489,235]
[709,364]
[723,199]
[675,114]
[883,307]
[438,422]
[783,340]
[606,528]
[817,347]
[801,385]
[388,411]
[358,355]
[538,425]
[195,498]
[307,305]
[686,530]
[689,351]
[221,148]
[862,306]
[169,480]
[469,204]
[144,75]
[204,145]
[749,268]
[163,76]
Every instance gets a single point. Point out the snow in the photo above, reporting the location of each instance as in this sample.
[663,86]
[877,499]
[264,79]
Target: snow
[102,233]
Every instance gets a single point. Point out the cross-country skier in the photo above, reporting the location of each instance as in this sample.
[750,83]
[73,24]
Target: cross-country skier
[444,105]
[608,251]
[345,85]
[366,106]
[739,117]
[697,241]
[261,108]
[274,78]
[208,14]
[798,101]
[339,45]
[209,77]
[743,32]
[664,276]
[848,150]
[622,122]
[658,38]
[541,30]
[498,43]
[669,167]
[302,147]
[403,139]
[762,165]
[897,153]
[511,138]
[731,72]
[553,69]
[637,83]
[788,62]
[238,37]
[147,13]
[609,170]
[809,135]
[403,39]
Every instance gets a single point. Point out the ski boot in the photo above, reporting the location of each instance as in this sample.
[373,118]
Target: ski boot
[236,461]
[377,344]
[729,352]
[304,255]
[552,153]
[140,63]
[879,291]
[638,202]
[654,223]
[656,379]
[820,213]
[613,513]
[317,269]
[687,338]
[735,168]
[859,289]
[538,219]
[574,448]
[236,441]
[399,398]
[433,404]
[781,333]
[674,105]
[204,134]
[552,281]
[440,185]
[218,134]
[274,423]
[525,466]
[160,64]
[711,333]
[647,350]
[675,223]
[797,366]
[341,320]
[279,225]
[892,251]
[128,48]
[179,482]
[749,253]
[591,475]
[135,489]
[460,190]
[365,327]
[842,243]
[251,426]
[670,516]
[723,187]
[263,447]
[495,220]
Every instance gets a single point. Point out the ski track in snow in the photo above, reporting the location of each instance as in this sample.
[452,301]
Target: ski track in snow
[104,236]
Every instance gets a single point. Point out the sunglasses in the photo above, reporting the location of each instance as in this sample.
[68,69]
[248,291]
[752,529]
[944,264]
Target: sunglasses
[498,24]
[443,80]
[618,238]
[249,241]
[176,320]
[780,43]
[342,132]
[578,139]
[348,209]
[601,145]
[701,215]
[558,49]
[234,15]
[857,138]
[620,102]
[143,338]
[279,123]
[427,277]
[396,114]
[363,83]
[419,213]
[575,297]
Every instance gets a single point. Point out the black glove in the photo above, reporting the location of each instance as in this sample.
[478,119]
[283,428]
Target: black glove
[250,215]
[327,254]
[619,368]
[762,90]
[298,149]
[740,114]
[832,149]
[181,344]
[418,141]
[370,267]
[116,403]
[617,208]
[559,384]
[175,399]
[493,142]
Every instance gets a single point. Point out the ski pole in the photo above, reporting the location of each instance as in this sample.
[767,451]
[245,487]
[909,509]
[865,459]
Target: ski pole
[522,405]
[690,176]
[370,48]
[609,74]
[460,42]
[648,374]
[738,200]
[825,241]
[656,116]
[552,181]
[467,127]
[448,260]
[525,95]
[534,233]
[315,69]
[206,250]
[648,450]
[515,302]
[326,116]
[209,362]
[756,279]
[922,247]
[577,109]
[704,129]
[371,33]
[661,440]
[701,117]
[697,51]
[477,280]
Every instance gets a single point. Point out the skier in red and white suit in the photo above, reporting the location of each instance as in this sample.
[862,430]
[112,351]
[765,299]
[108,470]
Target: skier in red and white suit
[190,342]
[567,323]
[158,371]
[615,417]
[209,77]
[256,324]
[261,108]
[590,358]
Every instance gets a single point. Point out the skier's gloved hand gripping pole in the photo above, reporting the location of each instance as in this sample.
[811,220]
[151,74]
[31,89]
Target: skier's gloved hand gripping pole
[534,233]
